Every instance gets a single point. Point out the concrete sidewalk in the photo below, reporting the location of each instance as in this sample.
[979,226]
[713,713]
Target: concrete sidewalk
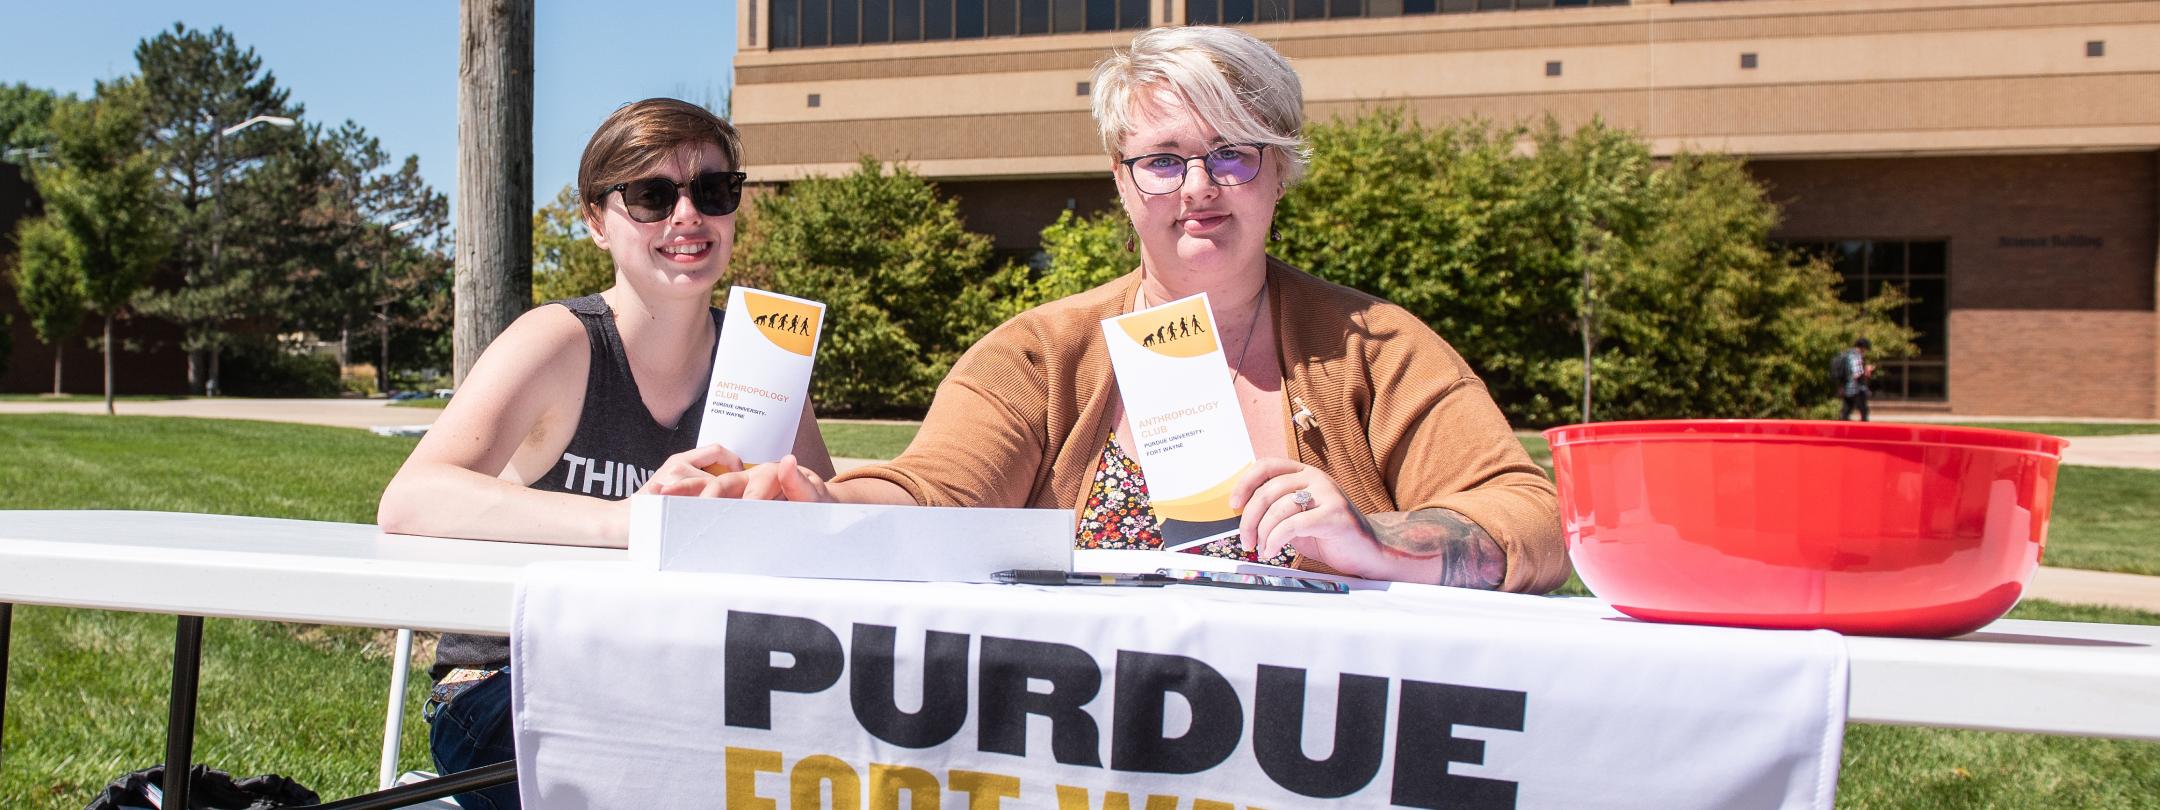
[353,413]
[2095,588]
[2137,451]
[2133,452]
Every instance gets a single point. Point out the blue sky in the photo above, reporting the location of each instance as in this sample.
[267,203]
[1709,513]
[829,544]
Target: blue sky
[391,65]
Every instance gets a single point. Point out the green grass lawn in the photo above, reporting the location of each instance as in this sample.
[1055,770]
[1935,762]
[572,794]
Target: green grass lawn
[86,693]
[77,461]
[1540,450]
[428,403]
[2105,519]
[874,440]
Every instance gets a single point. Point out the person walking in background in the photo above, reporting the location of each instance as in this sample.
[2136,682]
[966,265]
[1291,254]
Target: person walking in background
[1853,373]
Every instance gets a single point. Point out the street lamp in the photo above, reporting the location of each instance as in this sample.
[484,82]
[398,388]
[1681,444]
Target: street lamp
[217,204]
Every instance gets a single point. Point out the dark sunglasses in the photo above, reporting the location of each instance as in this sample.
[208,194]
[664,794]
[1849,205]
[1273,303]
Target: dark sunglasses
[714,194]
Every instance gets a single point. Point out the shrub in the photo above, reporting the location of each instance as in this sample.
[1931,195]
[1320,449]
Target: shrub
[566,263]
[262,368]
[1692,310]
[906,286]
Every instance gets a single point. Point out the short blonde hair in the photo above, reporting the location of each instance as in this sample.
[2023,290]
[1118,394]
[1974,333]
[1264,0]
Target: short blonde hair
[1234,82]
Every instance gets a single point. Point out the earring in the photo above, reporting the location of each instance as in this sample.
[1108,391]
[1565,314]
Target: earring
[1274,234]
[1128,243]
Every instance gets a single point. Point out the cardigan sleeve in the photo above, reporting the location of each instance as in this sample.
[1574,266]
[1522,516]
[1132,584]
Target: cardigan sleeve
[982,442]
[1442,443]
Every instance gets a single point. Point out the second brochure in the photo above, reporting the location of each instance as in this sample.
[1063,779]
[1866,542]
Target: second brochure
[761,374]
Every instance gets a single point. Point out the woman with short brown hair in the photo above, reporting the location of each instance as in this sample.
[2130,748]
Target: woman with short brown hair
[583,402]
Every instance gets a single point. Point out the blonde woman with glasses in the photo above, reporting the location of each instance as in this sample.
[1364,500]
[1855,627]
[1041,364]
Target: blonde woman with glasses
[1381,453]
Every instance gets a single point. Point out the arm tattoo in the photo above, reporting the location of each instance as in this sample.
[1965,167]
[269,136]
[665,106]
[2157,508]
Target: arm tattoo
[1470,557]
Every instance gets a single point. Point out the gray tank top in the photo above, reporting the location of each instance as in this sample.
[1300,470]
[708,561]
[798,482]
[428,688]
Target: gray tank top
[616,446]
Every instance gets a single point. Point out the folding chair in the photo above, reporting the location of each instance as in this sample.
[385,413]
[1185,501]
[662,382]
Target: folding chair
[394,728]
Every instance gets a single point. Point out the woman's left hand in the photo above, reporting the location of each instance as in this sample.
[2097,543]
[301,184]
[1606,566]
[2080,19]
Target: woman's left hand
[1321,524]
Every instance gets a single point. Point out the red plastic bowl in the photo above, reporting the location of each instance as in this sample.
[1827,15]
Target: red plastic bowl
[1859,527]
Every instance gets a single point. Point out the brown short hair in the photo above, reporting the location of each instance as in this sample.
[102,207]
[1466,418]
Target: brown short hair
[640,135]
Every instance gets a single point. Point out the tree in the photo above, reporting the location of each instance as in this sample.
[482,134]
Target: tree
[1700,314]
[495,200]
[197,84]
[566,263]
[25,118]
[415,310]
[100,190]
[1437,222]
[354,214]
[1579,259]
[400,248]
[49,282]
[906,286]
[1084,252]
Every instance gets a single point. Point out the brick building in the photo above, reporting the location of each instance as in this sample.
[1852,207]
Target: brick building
[150,362]
[1997,158]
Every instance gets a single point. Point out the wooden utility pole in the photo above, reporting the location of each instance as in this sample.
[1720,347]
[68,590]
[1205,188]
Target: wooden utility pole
[495,202]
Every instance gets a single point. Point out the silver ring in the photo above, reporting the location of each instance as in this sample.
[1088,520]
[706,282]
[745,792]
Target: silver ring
[1302,498]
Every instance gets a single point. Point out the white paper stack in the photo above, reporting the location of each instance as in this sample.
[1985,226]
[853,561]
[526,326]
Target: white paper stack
[845,541]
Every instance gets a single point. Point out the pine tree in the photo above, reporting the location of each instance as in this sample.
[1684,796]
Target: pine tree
[197,83]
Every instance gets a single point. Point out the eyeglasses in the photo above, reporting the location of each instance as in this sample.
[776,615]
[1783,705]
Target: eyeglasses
[1164,172]
[714,194]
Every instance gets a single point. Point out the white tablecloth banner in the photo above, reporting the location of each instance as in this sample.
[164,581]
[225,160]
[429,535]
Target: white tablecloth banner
[708,690]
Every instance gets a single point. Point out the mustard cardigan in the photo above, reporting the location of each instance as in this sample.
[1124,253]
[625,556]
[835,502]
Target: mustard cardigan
[1400,422]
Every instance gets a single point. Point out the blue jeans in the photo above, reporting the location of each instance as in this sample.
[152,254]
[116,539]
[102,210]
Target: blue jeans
[471,731]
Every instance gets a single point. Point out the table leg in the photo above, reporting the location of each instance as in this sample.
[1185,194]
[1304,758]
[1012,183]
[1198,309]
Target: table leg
[7,622]
[180,717]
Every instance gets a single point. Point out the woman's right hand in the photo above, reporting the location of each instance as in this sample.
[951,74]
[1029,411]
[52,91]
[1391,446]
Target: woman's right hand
[783,480]
[690,472]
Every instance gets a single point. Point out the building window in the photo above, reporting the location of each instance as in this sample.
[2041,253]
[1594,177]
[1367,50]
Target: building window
[1921,269]
[1234,12]
[820,23]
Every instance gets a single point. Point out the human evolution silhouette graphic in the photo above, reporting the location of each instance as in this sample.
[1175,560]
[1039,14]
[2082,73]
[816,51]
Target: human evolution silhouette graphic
[794,324]
[1181,328]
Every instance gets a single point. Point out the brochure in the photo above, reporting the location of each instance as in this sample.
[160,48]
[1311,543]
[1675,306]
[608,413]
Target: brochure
[761,374]
[1189,436]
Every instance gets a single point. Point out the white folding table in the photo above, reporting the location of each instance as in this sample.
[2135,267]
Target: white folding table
[2013,675]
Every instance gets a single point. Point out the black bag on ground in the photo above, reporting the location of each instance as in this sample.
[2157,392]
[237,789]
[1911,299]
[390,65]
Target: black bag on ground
[207,790]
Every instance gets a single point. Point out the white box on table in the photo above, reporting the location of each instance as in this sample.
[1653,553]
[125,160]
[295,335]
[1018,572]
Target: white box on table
[844,541]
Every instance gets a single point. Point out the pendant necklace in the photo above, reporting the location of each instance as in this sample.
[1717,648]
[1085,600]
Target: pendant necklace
[1259,310]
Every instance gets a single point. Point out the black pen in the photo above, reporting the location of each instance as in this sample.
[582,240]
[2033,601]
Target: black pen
[1051,576]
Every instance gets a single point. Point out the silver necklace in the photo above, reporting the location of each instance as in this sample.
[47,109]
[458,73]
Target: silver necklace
[1259,311]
